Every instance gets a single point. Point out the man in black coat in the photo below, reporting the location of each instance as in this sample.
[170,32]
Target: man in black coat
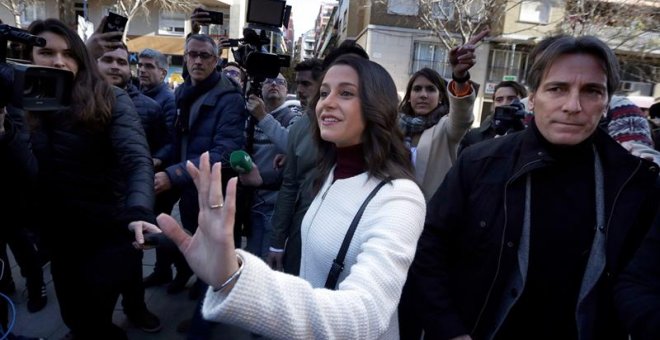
[506,93]
[115,68]
[528,233]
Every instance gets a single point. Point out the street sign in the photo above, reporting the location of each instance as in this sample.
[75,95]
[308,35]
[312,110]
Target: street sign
[510,78]
[490,88]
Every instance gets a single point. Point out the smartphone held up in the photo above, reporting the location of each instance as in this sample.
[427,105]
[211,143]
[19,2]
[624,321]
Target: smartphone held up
[115,23]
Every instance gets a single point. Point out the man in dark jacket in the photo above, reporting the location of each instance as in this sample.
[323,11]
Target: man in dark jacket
[528,233]
[295,194]
[152,70]
[506,92]
[114,67]
[210,117]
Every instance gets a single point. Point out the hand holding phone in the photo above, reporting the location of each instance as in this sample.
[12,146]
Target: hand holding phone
[205,17]
[216,17]
[115,23]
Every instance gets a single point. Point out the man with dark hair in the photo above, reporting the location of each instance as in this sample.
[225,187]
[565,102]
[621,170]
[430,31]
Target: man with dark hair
[529,232]
[348,46]
[506,92]
[308,73]
[623,120]
[114,67]
[295,195]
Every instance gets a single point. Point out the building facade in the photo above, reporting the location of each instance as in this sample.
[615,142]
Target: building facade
[394,35]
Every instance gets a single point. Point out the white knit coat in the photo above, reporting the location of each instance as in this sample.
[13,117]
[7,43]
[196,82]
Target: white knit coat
[282,306]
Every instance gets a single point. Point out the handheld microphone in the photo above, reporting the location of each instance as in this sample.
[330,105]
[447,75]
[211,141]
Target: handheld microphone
[240,161]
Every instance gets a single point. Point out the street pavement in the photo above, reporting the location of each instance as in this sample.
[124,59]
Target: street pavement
[171,309]
[47,323]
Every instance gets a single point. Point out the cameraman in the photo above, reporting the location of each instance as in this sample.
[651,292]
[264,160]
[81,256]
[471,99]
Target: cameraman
[94,177]
[274,115]
[506,92]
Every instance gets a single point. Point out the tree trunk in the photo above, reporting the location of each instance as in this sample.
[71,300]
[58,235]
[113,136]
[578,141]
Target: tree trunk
[67,12]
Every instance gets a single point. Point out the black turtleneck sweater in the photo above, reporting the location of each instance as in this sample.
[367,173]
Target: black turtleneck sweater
[563,220]
[350,162]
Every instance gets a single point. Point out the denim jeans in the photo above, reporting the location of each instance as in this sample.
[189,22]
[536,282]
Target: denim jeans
[258,241]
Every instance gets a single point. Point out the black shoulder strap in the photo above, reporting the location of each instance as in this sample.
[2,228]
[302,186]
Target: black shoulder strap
[338,263]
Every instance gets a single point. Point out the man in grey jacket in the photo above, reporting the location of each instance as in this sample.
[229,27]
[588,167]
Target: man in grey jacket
[273,115]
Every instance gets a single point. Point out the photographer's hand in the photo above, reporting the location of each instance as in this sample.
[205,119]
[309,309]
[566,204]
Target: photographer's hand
[139,228]
[256,107]
[99,42]
[200,17]
[161,182]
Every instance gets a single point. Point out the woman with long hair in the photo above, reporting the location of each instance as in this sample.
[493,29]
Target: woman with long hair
[94,180]
[361,146]
[436,115]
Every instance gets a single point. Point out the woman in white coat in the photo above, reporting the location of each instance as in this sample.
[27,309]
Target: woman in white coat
[360,145]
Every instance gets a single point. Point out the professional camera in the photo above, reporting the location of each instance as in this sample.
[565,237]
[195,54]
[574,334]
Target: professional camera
[267,16]
[32,88]
[509,118]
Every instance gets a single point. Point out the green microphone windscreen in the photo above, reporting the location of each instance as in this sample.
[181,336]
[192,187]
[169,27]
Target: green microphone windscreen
[240,161]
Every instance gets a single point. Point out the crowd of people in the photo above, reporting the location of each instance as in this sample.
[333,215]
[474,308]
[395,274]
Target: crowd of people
[361,216]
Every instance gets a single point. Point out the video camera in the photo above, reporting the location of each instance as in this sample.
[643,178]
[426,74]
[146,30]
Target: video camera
[509,118]
[32,88]
[266,16]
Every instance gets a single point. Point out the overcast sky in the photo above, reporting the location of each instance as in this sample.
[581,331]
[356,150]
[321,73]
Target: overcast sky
[304,14]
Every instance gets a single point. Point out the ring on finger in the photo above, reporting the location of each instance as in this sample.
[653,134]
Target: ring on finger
[216,206]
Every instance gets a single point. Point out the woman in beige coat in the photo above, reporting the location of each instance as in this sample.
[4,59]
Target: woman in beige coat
[436,115]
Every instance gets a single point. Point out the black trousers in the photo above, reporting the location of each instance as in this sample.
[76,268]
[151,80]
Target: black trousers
[88,280]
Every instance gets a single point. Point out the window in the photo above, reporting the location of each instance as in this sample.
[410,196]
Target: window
[537,12]
[32,12]
[507,63]
[432,56]
[80,9]
[442,9]
[402,7]
[107,9]
[171,23]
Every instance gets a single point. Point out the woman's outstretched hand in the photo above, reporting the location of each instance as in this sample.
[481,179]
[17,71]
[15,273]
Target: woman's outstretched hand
[463,57]
[210,251]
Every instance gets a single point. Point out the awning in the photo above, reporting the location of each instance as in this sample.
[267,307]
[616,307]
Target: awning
[643,102]
[166,45]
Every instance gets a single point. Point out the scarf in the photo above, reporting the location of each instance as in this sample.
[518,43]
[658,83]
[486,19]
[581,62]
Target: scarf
[188,95]
[412,125]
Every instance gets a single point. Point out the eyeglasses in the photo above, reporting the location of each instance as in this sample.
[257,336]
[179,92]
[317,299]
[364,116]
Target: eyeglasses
[203,55]
[232,73]
[277,81]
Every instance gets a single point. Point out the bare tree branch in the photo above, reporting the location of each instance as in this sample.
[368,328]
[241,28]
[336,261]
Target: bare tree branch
[16,8]
[130,8]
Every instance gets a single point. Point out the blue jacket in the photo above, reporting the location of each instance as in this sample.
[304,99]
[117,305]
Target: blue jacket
[165,97]
[153,121]
[216,124]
